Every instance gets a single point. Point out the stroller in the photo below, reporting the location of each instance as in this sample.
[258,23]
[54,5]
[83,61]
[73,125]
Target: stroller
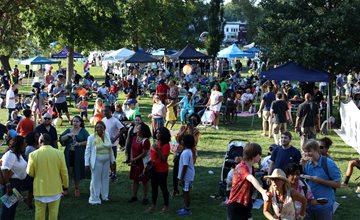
[207,118]
[234,149]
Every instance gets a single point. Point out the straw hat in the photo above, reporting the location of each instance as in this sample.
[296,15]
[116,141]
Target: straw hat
[278,174]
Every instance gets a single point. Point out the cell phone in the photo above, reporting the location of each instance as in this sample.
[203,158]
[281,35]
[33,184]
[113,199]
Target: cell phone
[322,201]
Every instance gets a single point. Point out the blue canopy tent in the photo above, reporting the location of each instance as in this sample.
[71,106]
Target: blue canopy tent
[188,53]
[252,50]
[294,72]
[38,60]
[141,57]
[63,54]
[234,51]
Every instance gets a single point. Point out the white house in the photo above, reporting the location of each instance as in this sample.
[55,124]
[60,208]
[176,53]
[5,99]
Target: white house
[234,31]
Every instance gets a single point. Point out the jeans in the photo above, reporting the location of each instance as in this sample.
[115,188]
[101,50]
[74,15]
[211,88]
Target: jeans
[10,110]
[9,213]
[159,179]
[325,214]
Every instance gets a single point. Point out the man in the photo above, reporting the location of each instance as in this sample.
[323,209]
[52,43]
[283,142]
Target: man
[129,107]
[265,106]
[10,102]
[47,128]
[339,86]
[246,99]
[278,111]
[318,95]
[48,168]
[307,118]
[59,93]
[113,127]
[285,154]
[103,91]
[26,125]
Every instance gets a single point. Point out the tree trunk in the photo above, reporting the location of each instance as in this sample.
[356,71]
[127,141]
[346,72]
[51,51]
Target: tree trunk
[5,62]
[70,66]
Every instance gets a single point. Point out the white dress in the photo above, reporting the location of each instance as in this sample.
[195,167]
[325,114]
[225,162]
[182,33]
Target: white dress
[214,98]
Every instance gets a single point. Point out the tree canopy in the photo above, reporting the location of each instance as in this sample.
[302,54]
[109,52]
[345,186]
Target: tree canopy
[216,30]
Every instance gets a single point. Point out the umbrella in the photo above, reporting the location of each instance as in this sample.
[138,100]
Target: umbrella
[37,60]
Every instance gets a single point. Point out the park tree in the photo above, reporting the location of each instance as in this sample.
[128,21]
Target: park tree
[216,29]
[318,34]
[233,12]
[12,31]
[75,23]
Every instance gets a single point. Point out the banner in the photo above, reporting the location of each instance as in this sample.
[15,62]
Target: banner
[350,125]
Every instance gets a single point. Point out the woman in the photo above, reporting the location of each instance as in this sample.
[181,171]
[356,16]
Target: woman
[292,172]
[98,157]
[74,139]
[325,144]
[159,154]
[282,198]
[190,129]
[214,103]
[37,104]
[98,110]
[158,113]
[187,106]
[13,172]
[239,205]
[323,176]
[130,136]
[139,149]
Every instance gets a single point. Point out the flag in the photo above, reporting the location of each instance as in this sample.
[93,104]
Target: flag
[86,67]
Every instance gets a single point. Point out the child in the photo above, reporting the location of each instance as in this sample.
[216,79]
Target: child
[243,183]
[170,114]
[186,173]
[83,105]
[51,109]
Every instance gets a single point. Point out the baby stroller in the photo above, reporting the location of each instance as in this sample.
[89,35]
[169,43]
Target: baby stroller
[234,149]
[207,118]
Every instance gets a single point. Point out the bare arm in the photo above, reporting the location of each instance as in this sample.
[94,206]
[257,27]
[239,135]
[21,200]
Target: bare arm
[257,186]
[266,209]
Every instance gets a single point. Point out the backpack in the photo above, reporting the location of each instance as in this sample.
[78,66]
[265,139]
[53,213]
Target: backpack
[305,187]
[326,168]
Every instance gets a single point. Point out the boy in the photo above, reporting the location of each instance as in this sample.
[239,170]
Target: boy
[186,173]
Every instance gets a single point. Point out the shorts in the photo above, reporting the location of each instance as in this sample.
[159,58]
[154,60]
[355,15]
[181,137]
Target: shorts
[187,185]
[279,127]
[61,107]
[83,114]
[338,91]
[236,211]
[266,116]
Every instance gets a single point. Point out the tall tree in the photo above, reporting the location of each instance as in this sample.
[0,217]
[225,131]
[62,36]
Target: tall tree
[12,31]
[216,29]
[315,33]
[75,23]
[233,12]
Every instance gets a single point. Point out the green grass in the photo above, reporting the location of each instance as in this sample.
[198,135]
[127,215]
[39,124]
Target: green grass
[212,147]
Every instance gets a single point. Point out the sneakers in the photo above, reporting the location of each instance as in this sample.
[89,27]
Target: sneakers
[183,212]
[217,127]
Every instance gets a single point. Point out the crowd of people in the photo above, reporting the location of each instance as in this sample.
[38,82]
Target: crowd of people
[297,183]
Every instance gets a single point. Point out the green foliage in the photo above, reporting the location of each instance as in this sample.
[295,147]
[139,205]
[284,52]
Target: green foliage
[233,12]
[315,33]
[216,32]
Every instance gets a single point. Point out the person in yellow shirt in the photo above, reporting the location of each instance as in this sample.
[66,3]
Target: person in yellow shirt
[48,168]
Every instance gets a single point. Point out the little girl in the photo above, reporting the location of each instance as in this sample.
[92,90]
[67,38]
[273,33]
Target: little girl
[98,108]
[83,107]
[170,114]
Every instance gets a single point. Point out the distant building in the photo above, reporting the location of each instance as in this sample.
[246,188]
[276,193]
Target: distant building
[235,32]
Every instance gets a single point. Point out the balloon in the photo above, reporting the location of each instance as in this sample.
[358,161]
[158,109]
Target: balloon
[92,121]
[187,69]
[57,122]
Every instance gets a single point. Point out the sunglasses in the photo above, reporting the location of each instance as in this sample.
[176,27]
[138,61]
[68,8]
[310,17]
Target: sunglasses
[47,118]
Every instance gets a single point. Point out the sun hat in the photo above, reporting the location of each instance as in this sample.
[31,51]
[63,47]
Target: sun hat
[278,174]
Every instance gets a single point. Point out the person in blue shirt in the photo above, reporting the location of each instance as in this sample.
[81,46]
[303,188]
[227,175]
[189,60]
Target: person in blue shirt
[284,154]
[187,106]
[264,110]
[323,176]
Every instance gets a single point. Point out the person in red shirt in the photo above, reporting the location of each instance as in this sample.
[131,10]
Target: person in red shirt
[25,125]
[162,90]
[239,204]
[159,153]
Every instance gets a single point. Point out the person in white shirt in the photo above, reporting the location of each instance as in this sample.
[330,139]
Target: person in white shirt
[10,100]
[113,128]
[246,99]
[193,89]
[158,113]
[13,170]
[103,91]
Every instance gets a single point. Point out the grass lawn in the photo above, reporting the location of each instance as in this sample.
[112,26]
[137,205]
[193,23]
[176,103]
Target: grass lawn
[212,147]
